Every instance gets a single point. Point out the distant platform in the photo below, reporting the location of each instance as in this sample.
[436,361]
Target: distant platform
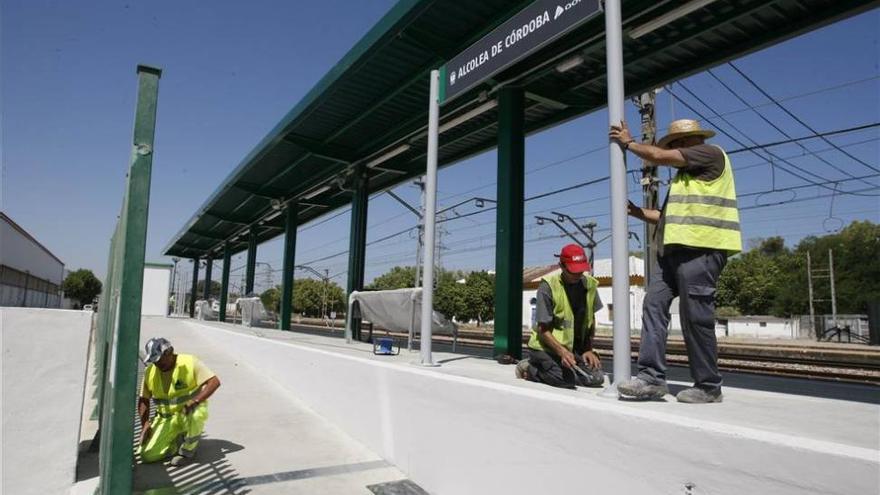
[469,426]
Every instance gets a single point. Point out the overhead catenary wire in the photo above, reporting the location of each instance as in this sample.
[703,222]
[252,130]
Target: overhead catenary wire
[793,116]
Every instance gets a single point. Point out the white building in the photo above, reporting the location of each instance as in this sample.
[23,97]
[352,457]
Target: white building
[30,275]
[156,289]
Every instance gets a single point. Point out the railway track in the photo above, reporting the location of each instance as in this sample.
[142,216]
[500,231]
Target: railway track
[826,361]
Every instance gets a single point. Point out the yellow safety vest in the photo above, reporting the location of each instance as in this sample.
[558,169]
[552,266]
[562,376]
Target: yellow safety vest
[563,315]
[703,214]
[170,397]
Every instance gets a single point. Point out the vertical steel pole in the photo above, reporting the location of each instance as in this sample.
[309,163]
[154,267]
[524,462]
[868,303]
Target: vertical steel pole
[430,219]
[288,264]
[251,262]
[619,238]
[195,288]
[224,281]
[209,268]
[810,288]
[509,223]
[420,235]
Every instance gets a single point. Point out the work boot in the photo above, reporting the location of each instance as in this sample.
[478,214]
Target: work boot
[522,369]
[696,395]
[179,460]
[639,389]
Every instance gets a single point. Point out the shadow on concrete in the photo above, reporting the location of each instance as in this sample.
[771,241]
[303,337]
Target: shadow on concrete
[210,473]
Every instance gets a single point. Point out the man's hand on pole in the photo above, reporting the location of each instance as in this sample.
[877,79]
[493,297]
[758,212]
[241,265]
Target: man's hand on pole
[146,433]
[620,134]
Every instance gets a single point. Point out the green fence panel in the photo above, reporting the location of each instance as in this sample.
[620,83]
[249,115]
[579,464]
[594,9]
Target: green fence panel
[119,326]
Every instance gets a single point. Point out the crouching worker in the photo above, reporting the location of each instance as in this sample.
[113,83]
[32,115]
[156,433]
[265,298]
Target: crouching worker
[560,348]
[180,385]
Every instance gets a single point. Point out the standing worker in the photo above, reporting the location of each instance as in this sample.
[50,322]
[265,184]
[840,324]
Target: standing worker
[561,347]
[180,385]
[697,229]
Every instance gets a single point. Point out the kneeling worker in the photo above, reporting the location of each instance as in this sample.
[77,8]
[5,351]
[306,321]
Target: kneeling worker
[180,385]
[560,348]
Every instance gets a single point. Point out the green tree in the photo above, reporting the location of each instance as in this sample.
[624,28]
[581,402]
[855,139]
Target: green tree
[215,289]
[310,296]
[82,286]
[478,298]
[749,282]
[399,277]
[271,298]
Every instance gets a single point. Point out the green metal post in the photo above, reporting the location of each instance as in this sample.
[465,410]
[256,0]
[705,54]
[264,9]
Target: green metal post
[509,237]
[224,281]
[288,264]
[195,288]
[251,262]
[357,249]
[209,266]
[121,390]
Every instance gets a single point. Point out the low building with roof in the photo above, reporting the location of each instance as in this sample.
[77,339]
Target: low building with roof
[30,274]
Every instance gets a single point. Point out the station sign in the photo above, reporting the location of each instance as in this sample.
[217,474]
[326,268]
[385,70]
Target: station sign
[528,30]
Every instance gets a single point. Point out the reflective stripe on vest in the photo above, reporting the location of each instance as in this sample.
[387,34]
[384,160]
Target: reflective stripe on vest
[181,388]
[703,214]
[563,316]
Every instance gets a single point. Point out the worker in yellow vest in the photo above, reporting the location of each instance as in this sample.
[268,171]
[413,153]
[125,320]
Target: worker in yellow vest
[561,346]
[697,229]
[179,385]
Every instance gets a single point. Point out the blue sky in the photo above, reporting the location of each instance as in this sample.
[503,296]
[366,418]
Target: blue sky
[233,69]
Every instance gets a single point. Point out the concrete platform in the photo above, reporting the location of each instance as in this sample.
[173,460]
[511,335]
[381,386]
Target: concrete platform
[259,438]
[470,427]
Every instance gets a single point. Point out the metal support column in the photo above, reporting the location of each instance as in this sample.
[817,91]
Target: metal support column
[430,219]
[224,281]
[251,263]
[357,247]
[509,224]
[209,267]
[619,231]
[288,264]
[195,288]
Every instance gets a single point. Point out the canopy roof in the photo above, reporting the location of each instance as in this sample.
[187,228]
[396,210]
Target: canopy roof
[372,106]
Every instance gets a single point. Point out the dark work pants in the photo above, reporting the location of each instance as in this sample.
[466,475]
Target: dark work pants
[691,275]
[547,368]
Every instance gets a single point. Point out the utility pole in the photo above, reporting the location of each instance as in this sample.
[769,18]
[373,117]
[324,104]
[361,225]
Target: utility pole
[810,287]
[421,185]
[646,103]
[833,294]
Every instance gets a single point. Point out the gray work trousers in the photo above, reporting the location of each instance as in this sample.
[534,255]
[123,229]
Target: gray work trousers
[691,275]
[547,368]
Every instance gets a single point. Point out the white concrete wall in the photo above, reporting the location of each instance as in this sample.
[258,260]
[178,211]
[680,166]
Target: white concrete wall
[751,328]
[44,353]
[457,435]
[157,290]
[19,252]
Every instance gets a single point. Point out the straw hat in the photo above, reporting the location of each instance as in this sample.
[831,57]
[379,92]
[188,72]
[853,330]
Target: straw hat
[683,128]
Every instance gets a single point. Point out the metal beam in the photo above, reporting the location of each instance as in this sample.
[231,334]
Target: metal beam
[224,281]
[321,149]
[288,263]
[509,235]
[251,263]
[358,239]
[195,288]
[546,101]
[209,267]
[207,235]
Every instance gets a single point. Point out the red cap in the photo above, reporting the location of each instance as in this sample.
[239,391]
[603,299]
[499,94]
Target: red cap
[574,258]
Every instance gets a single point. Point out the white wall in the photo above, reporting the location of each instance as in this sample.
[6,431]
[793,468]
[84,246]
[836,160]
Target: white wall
[453,434]
[19,252]
[751,327]
[44,363]
[157,290]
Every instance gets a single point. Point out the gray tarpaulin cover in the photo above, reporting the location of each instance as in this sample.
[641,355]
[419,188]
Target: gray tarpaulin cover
[393,310]
[204,311]
[251,311]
